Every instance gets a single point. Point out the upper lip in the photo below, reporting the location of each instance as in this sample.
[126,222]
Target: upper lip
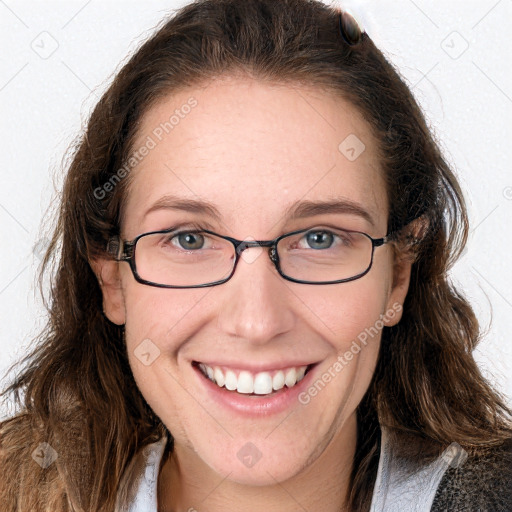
[255,368]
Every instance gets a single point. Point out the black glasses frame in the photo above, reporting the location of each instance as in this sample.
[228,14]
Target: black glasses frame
[124,250]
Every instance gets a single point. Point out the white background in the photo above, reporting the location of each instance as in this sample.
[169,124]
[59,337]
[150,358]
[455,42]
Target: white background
[58,57]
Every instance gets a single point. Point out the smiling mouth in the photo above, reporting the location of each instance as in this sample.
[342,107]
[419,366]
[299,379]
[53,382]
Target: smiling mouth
[265,383]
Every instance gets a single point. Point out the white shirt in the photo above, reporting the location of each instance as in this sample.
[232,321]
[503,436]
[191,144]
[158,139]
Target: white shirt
[398,486]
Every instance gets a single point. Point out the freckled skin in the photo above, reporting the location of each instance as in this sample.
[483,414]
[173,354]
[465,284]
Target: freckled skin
[253,149]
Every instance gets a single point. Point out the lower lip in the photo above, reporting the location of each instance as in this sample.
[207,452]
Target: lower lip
[255,405]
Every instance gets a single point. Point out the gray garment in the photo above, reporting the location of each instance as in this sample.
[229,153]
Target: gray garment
[482,484]
[452,483]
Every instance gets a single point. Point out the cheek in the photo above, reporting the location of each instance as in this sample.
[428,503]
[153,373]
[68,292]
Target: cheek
[351,316]
[351,309]
[160,314]
[156,321]
[159,325]
[352,323]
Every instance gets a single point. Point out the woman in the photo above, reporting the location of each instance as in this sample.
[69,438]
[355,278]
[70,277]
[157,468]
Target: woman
[251,309]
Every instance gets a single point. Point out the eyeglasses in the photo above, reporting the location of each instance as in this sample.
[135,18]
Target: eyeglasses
[194,258]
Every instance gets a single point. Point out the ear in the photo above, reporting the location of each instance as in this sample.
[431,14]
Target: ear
[405,253]
[401,278]
[107,272]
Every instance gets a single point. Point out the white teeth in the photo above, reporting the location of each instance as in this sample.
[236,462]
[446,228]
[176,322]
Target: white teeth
[278,381]
[291,377]
[231,381]
[261,383]
[218,376]
[245,383]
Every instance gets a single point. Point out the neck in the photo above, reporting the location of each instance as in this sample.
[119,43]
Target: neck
[187,484]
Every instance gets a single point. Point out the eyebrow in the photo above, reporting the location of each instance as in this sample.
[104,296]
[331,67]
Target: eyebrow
[298,210]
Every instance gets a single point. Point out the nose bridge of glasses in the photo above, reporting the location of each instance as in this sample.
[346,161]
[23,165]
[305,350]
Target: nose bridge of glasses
[241,245]
[244,244]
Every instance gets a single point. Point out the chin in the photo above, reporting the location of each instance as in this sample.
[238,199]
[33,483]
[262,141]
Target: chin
[262,459]
[267,471]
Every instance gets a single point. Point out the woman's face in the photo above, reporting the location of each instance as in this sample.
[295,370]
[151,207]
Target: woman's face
[254,151]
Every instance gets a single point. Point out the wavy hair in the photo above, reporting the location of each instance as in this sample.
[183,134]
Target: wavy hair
[76,390]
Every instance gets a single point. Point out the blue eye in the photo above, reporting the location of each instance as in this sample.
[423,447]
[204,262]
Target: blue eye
[321,238]
[325,239]
[190,241]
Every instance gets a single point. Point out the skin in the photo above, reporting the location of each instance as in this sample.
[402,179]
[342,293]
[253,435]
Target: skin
[253,149]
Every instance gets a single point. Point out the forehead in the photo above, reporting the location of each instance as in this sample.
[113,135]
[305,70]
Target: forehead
[253,149]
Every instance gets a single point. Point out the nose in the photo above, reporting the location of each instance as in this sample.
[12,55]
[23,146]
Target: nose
[256,302]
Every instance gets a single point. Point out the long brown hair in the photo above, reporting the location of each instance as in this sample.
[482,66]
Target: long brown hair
[76,391]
